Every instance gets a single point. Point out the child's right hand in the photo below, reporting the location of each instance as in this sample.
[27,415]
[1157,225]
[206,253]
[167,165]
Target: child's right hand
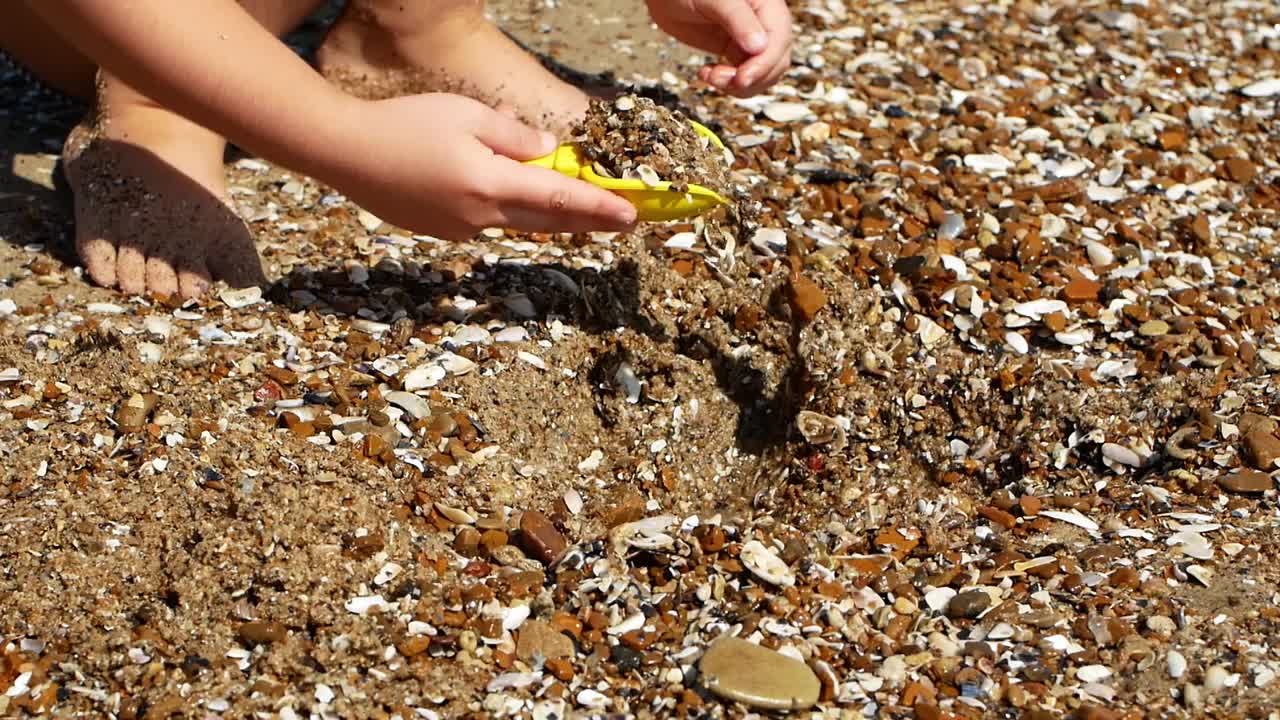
[449,166]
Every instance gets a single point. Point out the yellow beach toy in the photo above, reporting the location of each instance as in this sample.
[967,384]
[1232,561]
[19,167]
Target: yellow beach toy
[653,203]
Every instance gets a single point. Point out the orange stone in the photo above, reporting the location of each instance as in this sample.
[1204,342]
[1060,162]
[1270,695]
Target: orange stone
[1240,170]
[1081,289]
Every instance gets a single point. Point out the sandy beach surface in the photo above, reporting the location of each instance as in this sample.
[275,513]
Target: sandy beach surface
[970,413]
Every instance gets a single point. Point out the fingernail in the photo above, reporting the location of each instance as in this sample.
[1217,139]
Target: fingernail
[756,42]
[548,141]
[626,216]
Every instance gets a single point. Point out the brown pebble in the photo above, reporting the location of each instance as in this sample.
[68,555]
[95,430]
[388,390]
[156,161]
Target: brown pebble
[561,669]
[1081,289]
[998,516]
[1240,170]
[1030,505]
[805,298]
[133,412]
[541,637]
[540,539]
[415,645]
[968,604]
[258,633]
[1250,482]
[1264,449]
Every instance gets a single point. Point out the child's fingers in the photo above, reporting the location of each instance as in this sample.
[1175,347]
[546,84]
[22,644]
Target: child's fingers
[767,66]
[507,136]
[536,199]
[738,19]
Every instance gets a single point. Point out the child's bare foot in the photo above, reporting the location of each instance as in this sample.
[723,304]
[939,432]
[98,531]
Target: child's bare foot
[386,48]
[149,191]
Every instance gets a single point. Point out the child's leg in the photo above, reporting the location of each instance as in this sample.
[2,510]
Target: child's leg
[29,40]
[384,48]
[150,189]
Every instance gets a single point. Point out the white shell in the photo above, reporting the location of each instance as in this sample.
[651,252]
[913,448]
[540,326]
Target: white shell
[785,112]
[648,176]
[410,403]
[1100,255]
[1035,309]
[988,163]
[1262,88]
[423,376]
[762,563]
[820,430]
[1093,673]
[243,297]
[455,364]
[1016,342]
[1073,517]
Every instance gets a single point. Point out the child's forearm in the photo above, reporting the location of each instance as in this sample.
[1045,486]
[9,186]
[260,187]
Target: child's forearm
[212,62]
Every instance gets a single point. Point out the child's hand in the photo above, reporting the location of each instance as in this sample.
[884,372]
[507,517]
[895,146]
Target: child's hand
[753,37]
[449,166]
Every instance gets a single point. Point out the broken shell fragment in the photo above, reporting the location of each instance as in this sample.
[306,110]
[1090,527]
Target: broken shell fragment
[820,429]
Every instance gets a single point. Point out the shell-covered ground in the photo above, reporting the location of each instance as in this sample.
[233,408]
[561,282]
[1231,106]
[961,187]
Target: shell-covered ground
[975,417]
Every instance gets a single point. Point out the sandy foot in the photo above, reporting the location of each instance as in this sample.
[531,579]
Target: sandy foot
[150,207]
[375,54]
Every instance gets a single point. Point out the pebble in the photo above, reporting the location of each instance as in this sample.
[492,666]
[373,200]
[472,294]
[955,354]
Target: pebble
[1215,678]
[1153,328]
[968,604]
[758,677]
[1176,664]
[540,539]
[1264,449]
[1250,482]
[538,637]
[1161,625]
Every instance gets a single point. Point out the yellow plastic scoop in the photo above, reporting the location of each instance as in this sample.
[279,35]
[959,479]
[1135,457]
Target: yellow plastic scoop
[653,203]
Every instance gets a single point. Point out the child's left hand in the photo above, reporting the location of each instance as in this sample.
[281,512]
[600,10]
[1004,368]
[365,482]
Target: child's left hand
[752,37]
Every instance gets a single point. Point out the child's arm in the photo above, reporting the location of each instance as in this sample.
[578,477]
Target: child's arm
[752,37]
[439,164]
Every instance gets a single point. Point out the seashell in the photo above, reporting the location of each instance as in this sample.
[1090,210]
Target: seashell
[1017,342]
[988,163]
[423,377]
[785,112]
[1100,255]
[410,403]
[455,515]
[820,430]
[243,297]
[625,103]
[762,563]
[456,364]
[1034,309]
[386,367]
[681,241]
[648,176]
[1093,673]
[1262,88]
[626,377]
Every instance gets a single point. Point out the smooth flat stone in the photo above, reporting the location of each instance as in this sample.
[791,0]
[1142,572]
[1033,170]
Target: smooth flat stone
[744,672]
